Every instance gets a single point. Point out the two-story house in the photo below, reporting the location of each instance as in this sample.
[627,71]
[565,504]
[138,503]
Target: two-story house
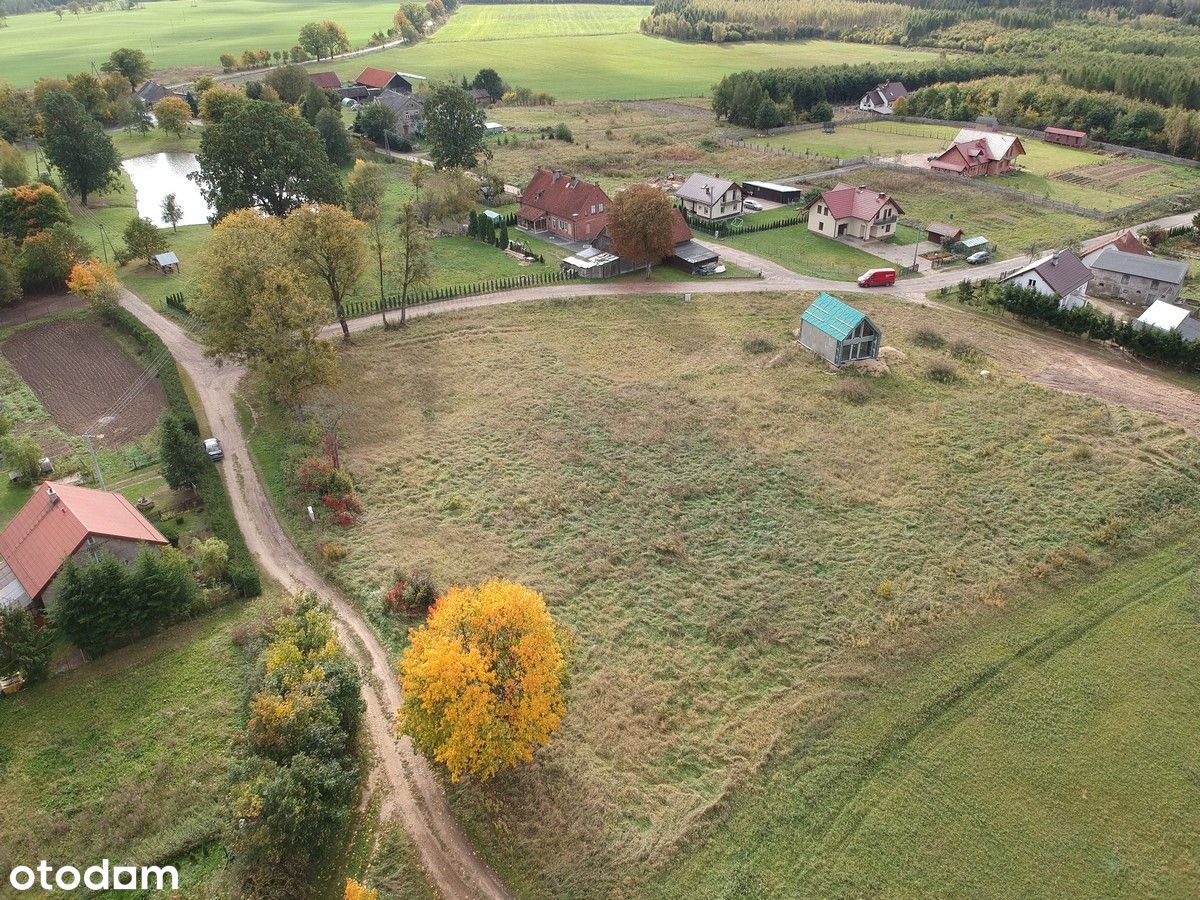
[710,198]
[859,212]
[563,205]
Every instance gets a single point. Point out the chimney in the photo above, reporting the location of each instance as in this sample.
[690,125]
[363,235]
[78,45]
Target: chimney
[51,495]
[557,175]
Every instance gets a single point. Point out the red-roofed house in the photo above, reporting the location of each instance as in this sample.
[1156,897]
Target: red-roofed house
[974,153]
[326,81]
[383,80]
[563,205]
[848,211]
[1125,241]
[61,521]
[1066,136]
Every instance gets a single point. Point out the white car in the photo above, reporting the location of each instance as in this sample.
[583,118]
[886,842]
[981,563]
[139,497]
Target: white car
[752,204]
[213,448]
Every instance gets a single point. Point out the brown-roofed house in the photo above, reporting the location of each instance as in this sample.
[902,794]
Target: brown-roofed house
[63,521]
[975,153]
[326,81]
[883,98]
[1061,275]
[849,211]
[563,205]
[709,197]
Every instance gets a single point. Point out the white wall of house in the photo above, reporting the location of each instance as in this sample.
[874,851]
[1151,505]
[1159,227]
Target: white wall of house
[822,222]
[728,204]
[1033,280]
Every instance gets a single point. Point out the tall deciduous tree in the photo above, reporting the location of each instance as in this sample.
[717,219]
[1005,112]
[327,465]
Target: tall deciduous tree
[12,166]
[289,81]
[78,147]
[174,115]
[414,264]
[171,211]
[327,241]
[490,81]
[143,240]
[454,128]
[376,121]
[48,256]
[266,157]
[131,64]
[483,679]
[333,133]
[364,195]
[640,222]
[30,208]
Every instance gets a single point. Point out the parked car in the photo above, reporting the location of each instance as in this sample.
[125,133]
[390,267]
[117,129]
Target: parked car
[213,448]
[979,256]
[751,204]
[877,278]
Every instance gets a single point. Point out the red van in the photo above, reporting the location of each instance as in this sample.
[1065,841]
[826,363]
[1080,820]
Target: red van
[877,278]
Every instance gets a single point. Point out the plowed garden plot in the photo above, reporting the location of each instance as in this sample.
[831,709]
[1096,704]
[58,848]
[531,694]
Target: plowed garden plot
[78,371]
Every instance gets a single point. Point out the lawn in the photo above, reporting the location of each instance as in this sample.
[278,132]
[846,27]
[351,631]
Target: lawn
[1052,750]
[127,757]
[1041,161]
[174,35]
[594,52]
[1014,226]
[795,247]
[740,553]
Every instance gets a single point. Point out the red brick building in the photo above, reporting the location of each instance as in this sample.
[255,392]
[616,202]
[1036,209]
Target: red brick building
[564,206]
[1066,136]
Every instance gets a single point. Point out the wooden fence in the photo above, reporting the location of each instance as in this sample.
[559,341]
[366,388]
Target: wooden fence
[356,308]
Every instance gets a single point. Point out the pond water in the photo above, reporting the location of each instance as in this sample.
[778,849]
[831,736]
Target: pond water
[158,174]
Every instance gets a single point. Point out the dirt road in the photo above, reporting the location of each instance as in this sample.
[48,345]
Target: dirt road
[450,860]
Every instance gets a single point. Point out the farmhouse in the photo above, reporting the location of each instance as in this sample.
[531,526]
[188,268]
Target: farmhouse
[60,522]
[563,205]
[975,153]
[838,333]
[711,198]
[326,81]
[151,92]
[379,80]
[1125,241]
[1134,278]
[944,235]
[409,110]
[1065,136]
[1061,275]
[882,98]
[848,211]
[776,193]
[1168,317]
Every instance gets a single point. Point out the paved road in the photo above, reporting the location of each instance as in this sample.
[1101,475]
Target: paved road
[450,860]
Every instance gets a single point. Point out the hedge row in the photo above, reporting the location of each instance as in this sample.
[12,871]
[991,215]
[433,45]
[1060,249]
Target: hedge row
[242,571]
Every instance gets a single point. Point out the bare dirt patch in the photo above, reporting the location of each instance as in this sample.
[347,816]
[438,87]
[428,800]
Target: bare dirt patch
[78,371]
[36,307]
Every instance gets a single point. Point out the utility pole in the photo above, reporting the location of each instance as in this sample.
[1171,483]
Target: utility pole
[88,439]
[103,248]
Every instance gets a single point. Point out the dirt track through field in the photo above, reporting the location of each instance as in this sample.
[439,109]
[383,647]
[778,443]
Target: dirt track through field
[77,370]
[413,791]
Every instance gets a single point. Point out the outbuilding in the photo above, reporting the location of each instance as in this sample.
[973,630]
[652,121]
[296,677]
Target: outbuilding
[769,190]
[837,332]
[1065,136]
[1169,317]
[167,263]
[944,235]
[1133,278]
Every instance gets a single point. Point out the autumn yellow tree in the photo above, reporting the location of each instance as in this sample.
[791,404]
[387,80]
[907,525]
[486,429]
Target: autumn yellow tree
[483,679]
[356,891]
[640,222]
[174,115]
[96,283]
[327,241]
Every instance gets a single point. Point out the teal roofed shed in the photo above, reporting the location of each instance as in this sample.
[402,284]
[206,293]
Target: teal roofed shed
[838,332]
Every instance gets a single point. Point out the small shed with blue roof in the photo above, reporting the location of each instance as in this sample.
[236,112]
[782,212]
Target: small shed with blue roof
[837,332]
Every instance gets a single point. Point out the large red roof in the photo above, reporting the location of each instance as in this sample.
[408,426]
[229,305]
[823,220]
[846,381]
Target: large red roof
[561,195]
[328,81]
[846,201]
[376,78]
[43,534]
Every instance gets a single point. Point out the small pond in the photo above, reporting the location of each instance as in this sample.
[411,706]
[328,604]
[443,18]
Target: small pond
[158,174]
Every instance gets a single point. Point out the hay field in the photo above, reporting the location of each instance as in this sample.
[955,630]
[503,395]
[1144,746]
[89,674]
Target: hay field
[727,533]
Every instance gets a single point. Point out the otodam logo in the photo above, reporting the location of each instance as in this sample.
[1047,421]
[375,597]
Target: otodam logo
[101,877]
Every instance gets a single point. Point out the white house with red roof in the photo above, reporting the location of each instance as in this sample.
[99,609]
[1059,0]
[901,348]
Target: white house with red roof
[60,522]
[849,211]
[563,205]
[975,153]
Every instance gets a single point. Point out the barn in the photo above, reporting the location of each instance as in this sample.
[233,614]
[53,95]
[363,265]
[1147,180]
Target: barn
[769,190]
[1067,137]
[838,333]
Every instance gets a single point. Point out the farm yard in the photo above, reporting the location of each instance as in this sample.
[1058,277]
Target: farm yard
[1088,178]
[743,544]
[595,52]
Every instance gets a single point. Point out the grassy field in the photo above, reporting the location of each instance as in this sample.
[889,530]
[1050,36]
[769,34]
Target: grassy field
[1040,162]
[798,249]
[1052,750]
[727,535]
[594,52]
[127,757]
[174,35]
[1014,227]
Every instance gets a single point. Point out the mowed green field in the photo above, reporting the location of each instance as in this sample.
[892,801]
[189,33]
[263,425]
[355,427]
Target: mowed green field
[739,547]
[594,52]
[1040,163]
[1051,755]
[175,34]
